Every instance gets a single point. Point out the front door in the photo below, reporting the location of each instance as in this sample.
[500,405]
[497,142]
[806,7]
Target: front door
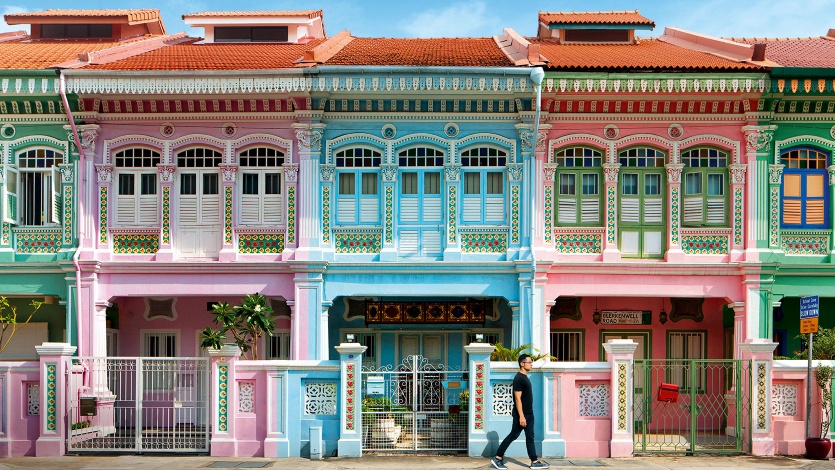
[199,221]
[430,346]
[420,214]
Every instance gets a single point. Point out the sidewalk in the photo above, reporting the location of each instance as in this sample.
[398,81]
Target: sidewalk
[401,462]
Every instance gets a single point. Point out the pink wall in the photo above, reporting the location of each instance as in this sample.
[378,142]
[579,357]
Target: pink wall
[251,428]
[19,430]
[585,436]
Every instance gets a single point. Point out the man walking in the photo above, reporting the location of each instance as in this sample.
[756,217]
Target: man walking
[522,417]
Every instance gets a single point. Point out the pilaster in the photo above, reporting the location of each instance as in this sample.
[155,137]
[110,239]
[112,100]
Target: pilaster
[54,363]
[224,391]
[310,202]
[737,173]
[452,174]
[759,197]
[760,353]
[388,251]
[350,418]
[674,251]
[228,249]
[166,182]
[478,445]
[620,354]
[611,253]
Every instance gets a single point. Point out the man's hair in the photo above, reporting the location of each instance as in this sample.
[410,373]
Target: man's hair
[522,358]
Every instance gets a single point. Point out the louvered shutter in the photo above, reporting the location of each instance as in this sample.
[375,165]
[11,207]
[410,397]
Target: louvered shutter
[126,204]
[369,210]
[250,209]
[815,212]
[273,213]
[55,199]
[148,210]
[590,211]
[409,209]
[716,211]
[432,209]
[693,207]
[431,242]
[346,210]
[188,209]
[652,211]
[630,210]
[210,209]
[792,211]
[494,209]
[10,213]
[409,242]
[472,209]
[567,211]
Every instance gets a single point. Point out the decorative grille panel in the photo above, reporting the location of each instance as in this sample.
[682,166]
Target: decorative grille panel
[33,392]
[594,400]
[246,397]
[784,400]
[320,399]
[502,399]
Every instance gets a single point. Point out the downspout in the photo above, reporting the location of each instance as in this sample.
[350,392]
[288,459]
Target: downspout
[537,74]
[80,216]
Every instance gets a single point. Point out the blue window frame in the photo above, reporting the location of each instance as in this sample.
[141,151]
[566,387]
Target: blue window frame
[805,189]
[358,186]
[484,185]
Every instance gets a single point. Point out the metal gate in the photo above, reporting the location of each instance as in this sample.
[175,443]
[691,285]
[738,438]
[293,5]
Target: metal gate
[133,404]
[692,406]
[415,406]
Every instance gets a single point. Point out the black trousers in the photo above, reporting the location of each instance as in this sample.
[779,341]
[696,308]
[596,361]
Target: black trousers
[514,433]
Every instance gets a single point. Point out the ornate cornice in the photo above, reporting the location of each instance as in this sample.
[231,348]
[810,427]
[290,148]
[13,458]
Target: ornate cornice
[757,138]
[738,84]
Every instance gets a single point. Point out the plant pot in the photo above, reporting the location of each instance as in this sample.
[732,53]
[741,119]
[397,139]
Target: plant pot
[817,448]
[385,431]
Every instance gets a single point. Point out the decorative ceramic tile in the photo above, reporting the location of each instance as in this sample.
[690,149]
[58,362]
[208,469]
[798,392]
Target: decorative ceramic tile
[355,242]
[103,215]
[622,392]
[704,244]
[33,398]
[223,398]
[514,204]
[166,215]
[502,399]
[326,214]
[291,215]
[611,215]
[351,384]
[68,213]
[674,215]
[7,233]
[246,397]
[805,244]
[453,214]
[38,241]
[774,232]
[784,400]
[578,242]
[389,214]
[227,216]
[260,243]
[738,206]
[483,242]
[762,411]
[51,396]
[549,212]
[135,243]
[594,400]
[319,398]
[478,402]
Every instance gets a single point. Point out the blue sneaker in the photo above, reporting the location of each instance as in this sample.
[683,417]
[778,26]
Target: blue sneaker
[498,463]
[540,464]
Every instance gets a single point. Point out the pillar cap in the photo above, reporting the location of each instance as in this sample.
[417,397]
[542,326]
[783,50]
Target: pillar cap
[620,346]
[55,349]
[350,348]
[758,346]
[479,348]
[227,350]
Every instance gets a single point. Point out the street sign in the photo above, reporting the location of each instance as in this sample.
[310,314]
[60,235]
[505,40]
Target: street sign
[808,325]
[809,306]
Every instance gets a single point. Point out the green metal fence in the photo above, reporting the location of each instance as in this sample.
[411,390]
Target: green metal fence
[705,406]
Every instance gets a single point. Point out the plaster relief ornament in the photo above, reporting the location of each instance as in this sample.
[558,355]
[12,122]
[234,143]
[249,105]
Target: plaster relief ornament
[452,173]
[674,172]
[611,131]
[675,131]
[166,173]
[388,131]
[326,172]
[167,129]
[66,172]
[310,139]
[229,129]
[775,173]
[389,173]
[832,132]
[291,172]
[548,171]
[104,173]
[759,139]
[738,173]
[229,172]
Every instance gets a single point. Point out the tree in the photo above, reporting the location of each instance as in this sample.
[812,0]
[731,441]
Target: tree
[9,324]
[823,348]
[502,353]
[246,323]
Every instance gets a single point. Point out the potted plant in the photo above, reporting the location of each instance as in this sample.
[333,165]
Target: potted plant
[502,353]
[824,349]
[246,323]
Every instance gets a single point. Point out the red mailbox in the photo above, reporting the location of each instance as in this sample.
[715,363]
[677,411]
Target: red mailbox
[667,393]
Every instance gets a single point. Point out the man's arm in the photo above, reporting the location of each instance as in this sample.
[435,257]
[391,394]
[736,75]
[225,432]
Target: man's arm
[517,397]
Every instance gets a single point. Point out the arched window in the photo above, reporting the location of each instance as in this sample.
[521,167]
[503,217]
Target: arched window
[358,186]
[33,188]
[705,179]
[262,180]
[420,213]
[805,188]
[578,186]
[137,201]
[642,194]
[484,185]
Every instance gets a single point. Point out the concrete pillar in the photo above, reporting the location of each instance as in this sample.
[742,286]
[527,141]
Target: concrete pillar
[480,399]
[55,359]
[611,253]
[350,419]
[760,353]
[228,248]
[166,181]
[620,354]
[674,197]
[225,393]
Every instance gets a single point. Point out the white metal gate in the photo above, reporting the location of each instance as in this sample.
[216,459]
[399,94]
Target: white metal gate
[415,406]
[131,404]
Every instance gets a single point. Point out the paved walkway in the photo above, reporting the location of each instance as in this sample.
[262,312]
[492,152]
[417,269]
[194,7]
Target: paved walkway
[402,462]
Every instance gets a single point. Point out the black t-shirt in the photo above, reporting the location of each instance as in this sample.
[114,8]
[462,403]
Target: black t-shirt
[521,383]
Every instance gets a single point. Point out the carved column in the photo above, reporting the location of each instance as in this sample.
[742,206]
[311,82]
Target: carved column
[533,158]
[737,173]
[549,171]
[674,252]
[229,173]
[620,354]
[452,173]
[389,251]
[291,179]
[166,182]
[775,179]
[831,171]
[310,201]
[761,233]
[104,177]
[611,253]
[760,352]
[87,134]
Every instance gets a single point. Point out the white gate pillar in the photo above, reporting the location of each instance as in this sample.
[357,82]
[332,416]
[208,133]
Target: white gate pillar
[225,393]
[55,362]
[620,354]
[761,354]
[350,382]
[480,398]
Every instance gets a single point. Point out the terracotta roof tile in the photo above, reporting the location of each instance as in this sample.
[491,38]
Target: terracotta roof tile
[595,17]
[271,13]
[796,52]
[43,53]
[225,56]
[465,52]
[649,54]
[132,16]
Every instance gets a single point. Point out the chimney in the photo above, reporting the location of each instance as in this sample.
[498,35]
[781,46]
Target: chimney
[759,52]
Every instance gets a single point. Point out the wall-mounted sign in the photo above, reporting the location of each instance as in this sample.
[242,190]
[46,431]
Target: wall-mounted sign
[625,317]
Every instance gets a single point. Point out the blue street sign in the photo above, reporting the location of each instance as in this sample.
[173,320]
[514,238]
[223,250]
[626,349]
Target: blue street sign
[809,307]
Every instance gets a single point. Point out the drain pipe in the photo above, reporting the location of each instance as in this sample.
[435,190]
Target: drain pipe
[537,74]
[80,215]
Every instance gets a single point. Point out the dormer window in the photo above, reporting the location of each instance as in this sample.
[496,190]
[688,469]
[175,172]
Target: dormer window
[596,27]
[76,31]
[251,34]
[596,35]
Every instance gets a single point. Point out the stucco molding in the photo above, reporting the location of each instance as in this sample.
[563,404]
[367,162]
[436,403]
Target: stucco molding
[812,140]
[723,143]
[111,146]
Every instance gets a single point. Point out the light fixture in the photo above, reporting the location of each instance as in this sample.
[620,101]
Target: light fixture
[350,337]
[479,337]
[595,317]
[662,315]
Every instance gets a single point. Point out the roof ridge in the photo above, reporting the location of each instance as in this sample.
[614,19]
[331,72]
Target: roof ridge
[613,12]
[13,35]
[123,51]
[327,49]
[518,49]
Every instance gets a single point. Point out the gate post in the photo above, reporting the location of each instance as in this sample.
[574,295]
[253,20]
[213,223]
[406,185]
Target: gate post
[480,398]
[224,395]
[620,354]
[350,417]
[55,363]
[761,354]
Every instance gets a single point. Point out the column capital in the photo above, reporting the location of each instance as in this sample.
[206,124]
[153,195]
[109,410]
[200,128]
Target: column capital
[347,349]
[479,348]
[738,172]
[610,172]
[674,172]
[758,138]
[775,173]
[309,136]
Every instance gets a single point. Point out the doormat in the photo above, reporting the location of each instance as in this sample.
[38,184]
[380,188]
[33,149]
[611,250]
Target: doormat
[232,464]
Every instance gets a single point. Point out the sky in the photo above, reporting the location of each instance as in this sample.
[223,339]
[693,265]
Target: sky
[486,18]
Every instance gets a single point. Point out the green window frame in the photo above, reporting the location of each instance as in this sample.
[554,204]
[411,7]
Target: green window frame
[705,188]
[642,217]
[578,186]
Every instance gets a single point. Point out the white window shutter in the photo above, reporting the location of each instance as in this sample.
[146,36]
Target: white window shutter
[10,210]
[346,210]
[54,185]
[630,210]
[652,211]
[409,242]
[409,209]
[188,210]
[652,243]
[148,210]
[567,211]
[431,242]
[590,211]
[369,210]
[692,210]
[494,209]
[250,210]
[629,242]
[210,209]
[273,209]
[716,211]
[432,209]
[125,210]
